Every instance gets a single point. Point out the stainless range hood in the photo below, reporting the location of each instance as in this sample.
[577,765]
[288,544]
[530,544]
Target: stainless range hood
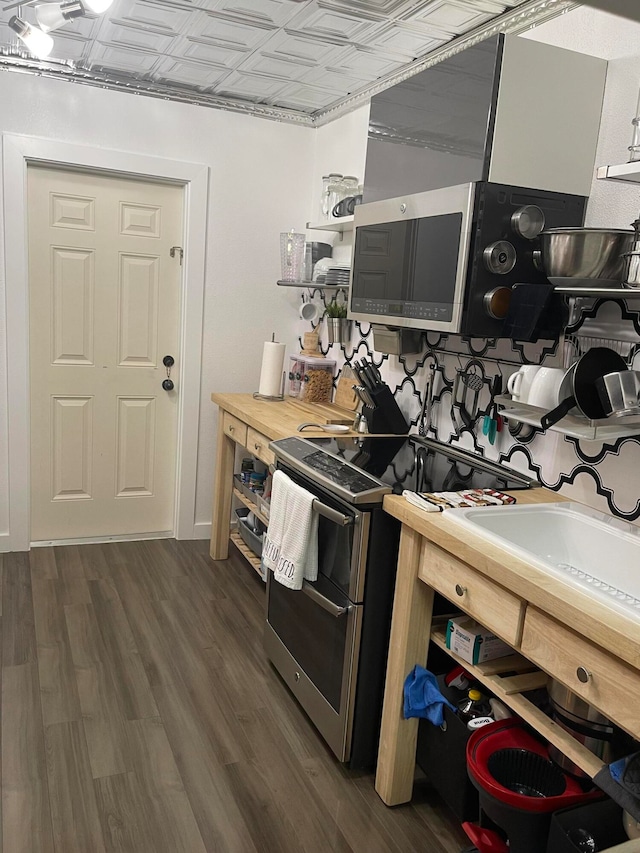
[508,110]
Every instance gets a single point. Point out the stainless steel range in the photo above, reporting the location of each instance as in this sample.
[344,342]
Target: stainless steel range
[329,640]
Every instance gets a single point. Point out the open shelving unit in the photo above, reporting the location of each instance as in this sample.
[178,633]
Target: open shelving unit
[250,500]
[344,223]
[509,678]
[246,552]
[600,292]
[571,425]
[627,172]
[251,505]
[313,285]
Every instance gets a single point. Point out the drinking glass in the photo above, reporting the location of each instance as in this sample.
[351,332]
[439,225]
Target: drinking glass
[292,255]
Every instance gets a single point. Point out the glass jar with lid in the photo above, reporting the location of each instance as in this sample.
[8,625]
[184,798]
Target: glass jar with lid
[328,181]
[335,192]
[349,186]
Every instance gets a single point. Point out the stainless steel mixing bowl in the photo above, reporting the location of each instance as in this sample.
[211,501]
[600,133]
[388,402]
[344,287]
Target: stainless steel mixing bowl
[585,257]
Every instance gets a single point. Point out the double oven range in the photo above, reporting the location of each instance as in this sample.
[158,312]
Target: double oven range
[329,641]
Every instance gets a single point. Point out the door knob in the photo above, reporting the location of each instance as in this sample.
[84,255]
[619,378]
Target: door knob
[168,362]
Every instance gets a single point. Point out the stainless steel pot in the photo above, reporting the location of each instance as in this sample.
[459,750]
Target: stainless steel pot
[583,722]
[585,257]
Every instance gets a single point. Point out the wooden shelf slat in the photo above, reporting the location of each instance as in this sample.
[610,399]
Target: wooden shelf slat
[509,663]
[519,704]
[512,684]
[250,505]
[246,552]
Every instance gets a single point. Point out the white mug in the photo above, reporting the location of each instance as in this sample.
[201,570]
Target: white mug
[519,383]
[309,311]
[545,388]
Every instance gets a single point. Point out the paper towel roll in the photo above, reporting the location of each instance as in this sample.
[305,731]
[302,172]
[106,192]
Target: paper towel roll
[271,373]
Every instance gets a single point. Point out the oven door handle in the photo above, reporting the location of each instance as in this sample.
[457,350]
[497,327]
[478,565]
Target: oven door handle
[325,603]
[331,513]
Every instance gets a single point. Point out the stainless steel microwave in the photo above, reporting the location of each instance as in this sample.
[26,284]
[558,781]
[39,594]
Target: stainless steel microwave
[447,259]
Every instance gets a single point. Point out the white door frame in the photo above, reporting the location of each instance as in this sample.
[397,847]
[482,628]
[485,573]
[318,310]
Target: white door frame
[17,153]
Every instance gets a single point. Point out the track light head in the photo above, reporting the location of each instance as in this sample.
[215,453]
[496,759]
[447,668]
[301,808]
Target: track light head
[37,42]
[52,16]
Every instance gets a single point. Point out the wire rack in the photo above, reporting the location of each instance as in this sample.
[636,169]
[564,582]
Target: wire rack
[576,346]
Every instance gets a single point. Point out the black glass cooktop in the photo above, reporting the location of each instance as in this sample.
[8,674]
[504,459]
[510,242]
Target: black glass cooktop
[358,467]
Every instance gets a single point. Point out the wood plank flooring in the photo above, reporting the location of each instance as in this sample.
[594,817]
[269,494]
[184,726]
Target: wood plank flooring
[139,715]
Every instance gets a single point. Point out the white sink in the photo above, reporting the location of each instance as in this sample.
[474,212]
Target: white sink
[595,552]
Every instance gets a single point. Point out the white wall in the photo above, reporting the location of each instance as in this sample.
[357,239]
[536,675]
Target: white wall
[260,184]
[612,205]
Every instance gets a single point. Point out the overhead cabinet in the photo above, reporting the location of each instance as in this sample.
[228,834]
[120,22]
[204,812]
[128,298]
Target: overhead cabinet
[508,110]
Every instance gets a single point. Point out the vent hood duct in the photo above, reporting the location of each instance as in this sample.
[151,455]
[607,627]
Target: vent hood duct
[508,109]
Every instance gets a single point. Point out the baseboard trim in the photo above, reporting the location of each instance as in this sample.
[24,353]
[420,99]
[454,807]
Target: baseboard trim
[202,530]
[5,543]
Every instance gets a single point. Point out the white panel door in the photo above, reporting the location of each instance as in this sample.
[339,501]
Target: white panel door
[104,311]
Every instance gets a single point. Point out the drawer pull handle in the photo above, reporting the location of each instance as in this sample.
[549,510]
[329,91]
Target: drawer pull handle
[460,590]
[257,446]
[231,429]
[583,674]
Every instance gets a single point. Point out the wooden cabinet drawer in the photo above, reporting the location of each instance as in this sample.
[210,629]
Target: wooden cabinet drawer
[611,686]
[258,445]
[491,605]
[235,429]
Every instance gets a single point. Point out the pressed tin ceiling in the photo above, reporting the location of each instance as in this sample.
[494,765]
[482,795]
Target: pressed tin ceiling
[284,59]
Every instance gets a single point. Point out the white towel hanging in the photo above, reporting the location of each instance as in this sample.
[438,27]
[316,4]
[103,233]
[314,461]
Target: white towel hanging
[290,546]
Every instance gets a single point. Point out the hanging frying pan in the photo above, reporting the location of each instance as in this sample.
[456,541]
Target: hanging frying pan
[578,389]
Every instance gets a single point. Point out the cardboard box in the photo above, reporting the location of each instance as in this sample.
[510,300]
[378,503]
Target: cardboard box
[472,642]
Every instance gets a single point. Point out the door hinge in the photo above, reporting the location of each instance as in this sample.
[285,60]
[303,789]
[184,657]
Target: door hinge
[179,250]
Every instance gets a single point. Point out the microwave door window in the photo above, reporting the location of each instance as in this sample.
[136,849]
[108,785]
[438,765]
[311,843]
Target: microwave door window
[435,260]
[408,269]
[383,255]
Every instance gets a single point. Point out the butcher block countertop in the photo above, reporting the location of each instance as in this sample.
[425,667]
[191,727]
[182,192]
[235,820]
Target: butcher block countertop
[281,418]
[575,609]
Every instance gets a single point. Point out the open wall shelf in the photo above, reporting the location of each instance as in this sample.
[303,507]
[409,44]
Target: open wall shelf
[576,427]
[627,172]
[344,223]
[313,285]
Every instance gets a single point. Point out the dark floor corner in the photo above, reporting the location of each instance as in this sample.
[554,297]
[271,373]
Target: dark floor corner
[139,714]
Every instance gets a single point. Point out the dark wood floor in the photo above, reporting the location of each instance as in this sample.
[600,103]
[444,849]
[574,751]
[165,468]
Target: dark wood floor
[139,715]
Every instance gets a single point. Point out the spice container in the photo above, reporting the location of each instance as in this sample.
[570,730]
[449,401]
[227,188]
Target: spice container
[317,384]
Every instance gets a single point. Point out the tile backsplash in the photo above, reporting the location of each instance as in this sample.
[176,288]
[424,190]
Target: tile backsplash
[601,473]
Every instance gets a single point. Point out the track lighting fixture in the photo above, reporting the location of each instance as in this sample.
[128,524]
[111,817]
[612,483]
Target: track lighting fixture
[52,16]
[38,42]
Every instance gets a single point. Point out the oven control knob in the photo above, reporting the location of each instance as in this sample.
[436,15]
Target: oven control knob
[528,221]
[500,257]
[496,302]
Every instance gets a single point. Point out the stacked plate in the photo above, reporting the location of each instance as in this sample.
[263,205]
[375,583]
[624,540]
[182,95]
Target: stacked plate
[338,276]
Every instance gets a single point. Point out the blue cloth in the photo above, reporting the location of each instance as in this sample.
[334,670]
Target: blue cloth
[422,696]
[617,768]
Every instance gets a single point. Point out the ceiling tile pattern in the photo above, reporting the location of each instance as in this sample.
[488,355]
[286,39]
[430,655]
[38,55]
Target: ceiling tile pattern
[305,57]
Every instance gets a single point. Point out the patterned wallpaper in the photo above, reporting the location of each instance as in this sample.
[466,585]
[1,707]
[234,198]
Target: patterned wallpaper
[601,473]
